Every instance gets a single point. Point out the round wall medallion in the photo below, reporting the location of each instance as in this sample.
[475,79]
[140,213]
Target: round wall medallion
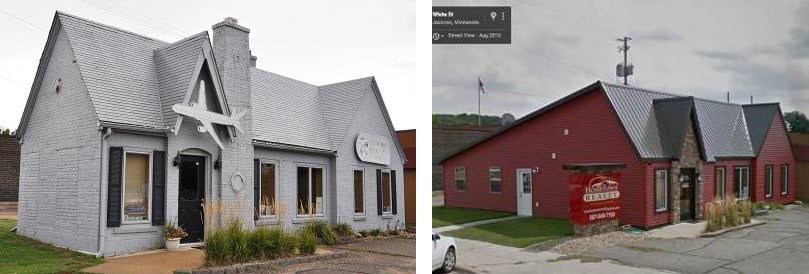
[237,181]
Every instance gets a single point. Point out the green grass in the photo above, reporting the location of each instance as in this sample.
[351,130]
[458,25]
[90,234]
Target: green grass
[520,232]
[22,255]
[444,216]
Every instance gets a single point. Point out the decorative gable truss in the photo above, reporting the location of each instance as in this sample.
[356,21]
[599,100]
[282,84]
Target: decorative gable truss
[207,114]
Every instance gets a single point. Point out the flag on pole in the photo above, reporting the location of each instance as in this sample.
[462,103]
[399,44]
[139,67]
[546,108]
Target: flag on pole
[480,86]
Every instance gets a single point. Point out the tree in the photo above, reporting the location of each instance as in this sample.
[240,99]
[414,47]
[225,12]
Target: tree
[797,121]
[6,132]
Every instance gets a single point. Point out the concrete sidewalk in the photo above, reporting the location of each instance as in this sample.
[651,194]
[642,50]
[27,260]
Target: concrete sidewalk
[460,226]
[151,262]
[482,257]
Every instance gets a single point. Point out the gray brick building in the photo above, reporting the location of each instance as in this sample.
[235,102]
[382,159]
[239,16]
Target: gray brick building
[123,132]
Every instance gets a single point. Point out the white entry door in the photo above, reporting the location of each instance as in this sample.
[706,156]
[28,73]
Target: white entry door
[524,189]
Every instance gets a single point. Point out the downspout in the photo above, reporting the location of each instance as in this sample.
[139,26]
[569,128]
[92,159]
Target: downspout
[101,212]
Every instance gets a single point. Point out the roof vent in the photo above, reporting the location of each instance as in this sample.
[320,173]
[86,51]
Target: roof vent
[231,20]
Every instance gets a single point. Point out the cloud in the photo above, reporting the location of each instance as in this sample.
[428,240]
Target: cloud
[722,55]
[657,35]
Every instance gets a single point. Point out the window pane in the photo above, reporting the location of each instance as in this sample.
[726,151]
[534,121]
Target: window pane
[359,202]
[526,183]
[784,179]
[136,187]
[267,198]
[720,182]
[742,181]
[661,183]
[460,178]
[317,190]
[386,192]
[494,179]
[303,191]
[768,180]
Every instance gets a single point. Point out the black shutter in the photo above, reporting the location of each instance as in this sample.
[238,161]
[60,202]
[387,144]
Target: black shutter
[393,190]
[379,192]
[158,187]
[256,195]
[114,187]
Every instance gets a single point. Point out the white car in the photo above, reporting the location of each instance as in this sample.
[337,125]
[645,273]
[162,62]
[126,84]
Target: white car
[443,253]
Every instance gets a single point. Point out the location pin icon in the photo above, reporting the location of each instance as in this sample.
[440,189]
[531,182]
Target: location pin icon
[493,15]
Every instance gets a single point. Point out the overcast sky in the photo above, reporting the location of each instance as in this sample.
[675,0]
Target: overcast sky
[319,42]
[699,48]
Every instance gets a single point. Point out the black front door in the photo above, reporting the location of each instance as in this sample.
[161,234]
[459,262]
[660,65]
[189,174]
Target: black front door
[191,196]
[687,194]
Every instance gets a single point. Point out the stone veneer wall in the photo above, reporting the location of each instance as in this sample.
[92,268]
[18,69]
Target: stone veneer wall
[689,158]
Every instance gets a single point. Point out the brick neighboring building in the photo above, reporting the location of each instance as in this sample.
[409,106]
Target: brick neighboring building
[679,153]
[448,139]
[407,138]
[9,168]
[800,147]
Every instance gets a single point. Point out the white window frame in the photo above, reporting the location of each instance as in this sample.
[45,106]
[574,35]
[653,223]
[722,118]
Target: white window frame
[277,184]
[499,179]
[390,192]
[784,179]
[665,190]
[364,193]
[462,171]
[325,188]
[149,164]
[723,183]
[769,178]
[739,185]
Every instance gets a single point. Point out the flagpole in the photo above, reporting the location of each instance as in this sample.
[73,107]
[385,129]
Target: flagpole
[478,100]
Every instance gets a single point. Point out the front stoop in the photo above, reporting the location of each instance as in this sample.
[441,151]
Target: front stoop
[250,267]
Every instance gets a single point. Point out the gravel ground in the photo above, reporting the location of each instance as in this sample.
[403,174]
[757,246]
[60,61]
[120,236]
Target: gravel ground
[577,246]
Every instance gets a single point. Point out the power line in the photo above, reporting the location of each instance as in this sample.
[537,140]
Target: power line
[569,65]
[13,80]
[23,20]
[152,19]
[130,17]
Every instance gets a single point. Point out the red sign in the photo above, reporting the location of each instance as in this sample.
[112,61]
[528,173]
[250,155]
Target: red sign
[594,198]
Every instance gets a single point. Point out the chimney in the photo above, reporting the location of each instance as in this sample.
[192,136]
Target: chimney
[231,47]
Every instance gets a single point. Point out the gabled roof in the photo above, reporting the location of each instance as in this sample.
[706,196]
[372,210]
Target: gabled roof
[118,68]
[759,117]
[134,80]
[655,122]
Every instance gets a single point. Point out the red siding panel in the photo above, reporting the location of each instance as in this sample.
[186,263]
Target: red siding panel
[594,135]
[775,151]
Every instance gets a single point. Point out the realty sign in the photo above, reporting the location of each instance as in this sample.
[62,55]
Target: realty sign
[594,198]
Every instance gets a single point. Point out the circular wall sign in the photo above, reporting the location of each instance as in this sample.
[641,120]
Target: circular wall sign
[237,181]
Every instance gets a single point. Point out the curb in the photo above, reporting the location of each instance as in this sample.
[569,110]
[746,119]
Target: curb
[726,230]
[250,267]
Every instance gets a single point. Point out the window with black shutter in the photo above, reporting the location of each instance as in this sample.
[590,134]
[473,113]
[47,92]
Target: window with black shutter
[114,187]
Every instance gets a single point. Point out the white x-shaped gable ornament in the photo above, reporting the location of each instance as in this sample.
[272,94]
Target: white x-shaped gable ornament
[207,118]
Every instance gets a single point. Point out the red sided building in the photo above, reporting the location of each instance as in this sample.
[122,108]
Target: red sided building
[678,152]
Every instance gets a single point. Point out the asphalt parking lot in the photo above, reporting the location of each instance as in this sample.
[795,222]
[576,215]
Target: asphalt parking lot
[779,246]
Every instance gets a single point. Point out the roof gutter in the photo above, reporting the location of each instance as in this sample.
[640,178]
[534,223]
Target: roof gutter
[133,128]
[294,148]
[101,207]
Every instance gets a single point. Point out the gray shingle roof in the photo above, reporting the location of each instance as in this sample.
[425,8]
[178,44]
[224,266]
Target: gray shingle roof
[759,117]
[118,69]
[340,103]
[287,111]
[175,66]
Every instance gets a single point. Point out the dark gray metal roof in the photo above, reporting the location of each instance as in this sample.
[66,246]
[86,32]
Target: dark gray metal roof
[759,117]
[672,116]
[720,126]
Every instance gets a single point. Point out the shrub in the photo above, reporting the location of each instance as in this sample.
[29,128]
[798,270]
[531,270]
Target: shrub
[371,232]
[235,245]
[343,229]
[307,243]
[173,231]
[321,230]
[727,213]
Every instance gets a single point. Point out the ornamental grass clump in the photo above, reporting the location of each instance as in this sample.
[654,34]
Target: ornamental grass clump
[727,213]
[321,230]
[307,243]
[233,244]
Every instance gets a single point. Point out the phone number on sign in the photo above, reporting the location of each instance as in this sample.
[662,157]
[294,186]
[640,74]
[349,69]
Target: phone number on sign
[602,215]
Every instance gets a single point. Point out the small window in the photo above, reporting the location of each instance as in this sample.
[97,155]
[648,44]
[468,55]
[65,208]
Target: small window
[494,179]
[267,184]
[460,178]
[359,195]
[784,179]
[137,181]
[661,190]
[386,193]
[310,191]
[721,178]
[741,179]
[768,178]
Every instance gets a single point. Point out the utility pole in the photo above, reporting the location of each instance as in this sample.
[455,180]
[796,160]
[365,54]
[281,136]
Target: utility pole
[751,99]
[625,71]
[728,96]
